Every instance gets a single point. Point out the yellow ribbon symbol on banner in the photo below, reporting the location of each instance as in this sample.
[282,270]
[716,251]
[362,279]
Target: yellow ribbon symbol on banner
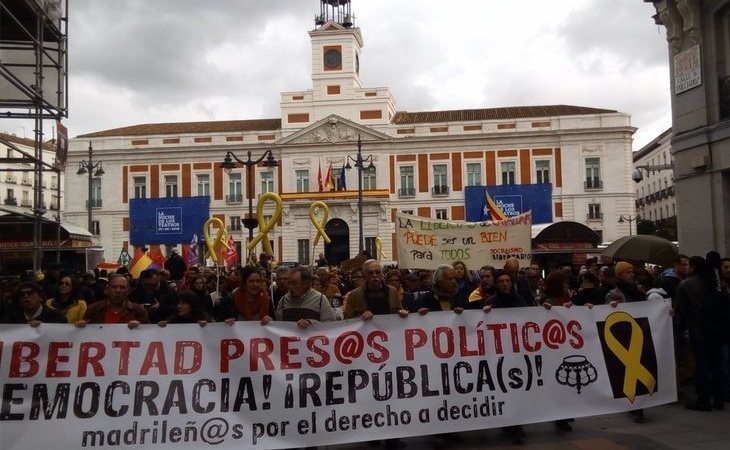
[319,225]
[221,240]
[264,225]
[379,248]
[629,357]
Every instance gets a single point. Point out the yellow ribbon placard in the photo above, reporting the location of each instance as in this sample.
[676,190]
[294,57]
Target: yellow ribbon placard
[266,226]
[319,225]
[379,249]
[629,357]
[214,248]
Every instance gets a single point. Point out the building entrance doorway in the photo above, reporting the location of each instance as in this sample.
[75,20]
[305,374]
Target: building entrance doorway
[339,249]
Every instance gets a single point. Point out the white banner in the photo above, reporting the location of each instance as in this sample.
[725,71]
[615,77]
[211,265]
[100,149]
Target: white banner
[428,243]
[276,386]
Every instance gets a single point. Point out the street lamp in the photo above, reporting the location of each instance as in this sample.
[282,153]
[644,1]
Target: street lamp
[360,165]
[629,219]
[249,222]
[94,169]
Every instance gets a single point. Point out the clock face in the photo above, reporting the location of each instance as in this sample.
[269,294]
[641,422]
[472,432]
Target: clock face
[332,59]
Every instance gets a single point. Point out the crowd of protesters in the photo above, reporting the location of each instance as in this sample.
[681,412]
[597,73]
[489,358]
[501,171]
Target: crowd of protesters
[697,287]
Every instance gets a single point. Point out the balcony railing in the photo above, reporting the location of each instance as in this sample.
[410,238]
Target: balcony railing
[95,203]
[10,179]
[440,190]
[234,227]
[12,201]
[26,182]
[406,192]
[593,184]
[234,198]
[26,204]
[598,216]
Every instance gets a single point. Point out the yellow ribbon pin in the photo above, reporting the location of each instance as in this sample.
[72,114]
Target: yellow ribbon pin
[214,248]
[631,357]
[379,248]
[266,226]
[319,225]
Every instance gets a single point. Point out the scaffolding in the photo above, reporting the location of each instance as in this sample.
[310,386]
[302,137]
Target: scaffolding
[34,86]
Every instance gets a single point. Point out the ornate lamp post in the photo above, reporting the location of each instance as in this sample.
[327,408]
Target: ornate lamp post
[94,169]
[359,162]
[629,219]
[249,222]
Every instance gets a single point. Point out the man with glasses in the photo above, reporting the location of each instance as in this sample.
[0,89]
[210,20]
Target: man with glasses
[374,297]
[31,309]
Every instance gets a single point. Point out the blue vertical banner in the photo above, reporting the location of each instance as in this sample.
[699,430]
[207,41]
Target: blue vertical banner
[492,202]
[173,220]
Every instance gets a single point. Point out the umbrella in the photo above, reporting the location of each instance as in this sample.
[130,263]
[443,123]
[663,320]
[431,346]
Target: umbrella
[645,248]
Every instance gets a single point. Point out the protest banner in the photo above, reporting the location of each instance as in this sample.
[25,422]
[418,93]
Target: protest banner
[277,386]
[428,243]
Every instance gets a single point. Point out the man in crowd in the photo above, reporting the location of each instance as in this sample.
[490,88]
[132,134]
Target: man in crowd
[302,304]
[374,298]
[520,283]
[154,295]
[175,264]
[606,280]
[116,307]
[31,309]
[440,297]
[481,296]
[671,278]
[281,288]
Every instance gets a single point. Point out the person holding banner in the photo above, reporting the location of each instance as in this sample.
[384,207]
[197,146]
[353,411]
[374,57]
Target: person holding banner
[440,297]
[481,296]
[302,304]
[251,301]
[116,308]
[31,309]
[374,298]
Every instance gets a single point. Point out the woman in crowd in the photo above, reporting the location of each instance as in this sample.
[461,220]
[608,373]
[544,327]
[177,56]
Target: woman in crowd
[188,310]
[67,300]
[200,290]
[557,290]
[251,301]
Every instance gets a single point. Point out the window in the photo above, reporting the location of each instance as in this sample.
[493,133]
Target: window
[203,184]
[170,185]
[442,214]
[473,174]
[95,228]
[407,182]
[508,169]
[235,223]
[234,188]
[371,248]
[267,181]
[303,251]
[369,179]
[54,182]
[336,173]
[594,211]
[542,171]
[26,199]
[303,186]
[95,192]
[600,234]
[140,187]
[407,211]
[593,174]
[440,181]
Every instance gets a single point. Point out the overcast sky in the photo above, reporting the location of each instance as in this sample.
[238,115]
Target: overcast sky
[144,61]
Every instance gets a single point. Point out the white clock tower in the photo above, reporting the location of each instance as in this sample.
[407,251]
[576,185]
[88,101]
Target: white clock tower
[336,84]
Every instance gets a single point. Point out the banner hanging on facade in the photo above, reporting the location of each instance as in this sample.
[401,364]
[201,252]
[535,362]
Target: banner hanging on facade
[170,220]
[509,200]
[277,386]
[428,243]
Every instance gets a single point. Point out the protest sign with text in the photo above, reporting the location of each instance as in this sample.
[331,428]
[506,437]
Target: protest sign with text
[277,386]
[428,243]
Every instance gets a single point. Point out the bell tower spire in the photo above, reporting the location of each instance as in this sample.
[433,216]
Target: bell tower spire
[338,11]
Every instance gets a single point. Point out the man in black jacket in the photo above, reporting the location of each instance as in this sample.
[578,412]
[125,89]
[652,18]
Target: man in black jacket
[30,308]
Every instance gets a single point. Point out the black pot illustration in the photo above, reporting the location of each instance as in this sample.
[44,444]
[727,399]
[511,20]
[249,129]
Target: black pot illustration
[576,371]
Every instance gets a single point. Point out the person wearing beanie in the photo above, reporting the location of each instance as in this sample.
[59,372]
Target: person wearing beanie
[626,291]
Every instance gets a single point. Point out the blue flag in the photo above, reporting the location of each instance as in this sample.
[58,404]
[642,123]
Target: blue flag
[343,181]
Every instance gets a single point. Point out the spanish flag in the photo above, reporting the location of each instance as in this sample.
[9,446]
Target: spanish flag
[495,212]
[329,181]
[140,262]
